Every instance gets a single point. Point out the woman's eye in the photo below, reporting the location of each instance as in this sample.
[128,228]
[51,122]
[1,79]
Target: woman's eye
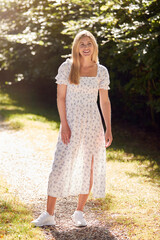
[89,44]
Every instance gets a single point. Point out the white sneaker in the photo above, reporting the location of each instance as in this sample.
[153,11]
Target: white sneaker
[44,219]
[78,219]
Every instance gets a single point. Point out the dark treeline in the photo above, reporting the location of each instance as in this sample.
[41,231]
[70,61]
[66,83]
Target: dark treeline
[36,36]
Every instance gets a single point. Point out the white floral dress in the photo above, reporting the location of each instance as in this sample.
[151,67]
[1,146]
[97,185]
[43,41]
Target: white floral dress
[70,173]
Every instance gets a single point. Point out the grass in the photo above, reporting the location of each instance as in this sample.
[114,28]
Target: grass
[132,201]
[15,218]
[133,167]
[21,112]
[133,178]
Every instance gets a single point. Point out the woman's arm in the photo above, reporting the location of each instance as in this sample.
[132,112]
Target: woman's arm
[106,111]
[61,104]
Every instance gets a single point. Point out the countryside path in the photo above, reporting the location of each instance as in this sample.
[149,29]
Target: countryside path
[25,160]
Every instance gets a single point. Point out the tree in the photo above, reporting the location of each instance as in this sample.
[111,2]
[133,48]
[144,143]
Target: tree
[35,34]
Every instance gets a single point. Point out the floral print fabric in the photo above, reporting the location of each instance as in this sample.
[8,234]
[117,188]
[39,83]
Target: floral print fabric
[71,167]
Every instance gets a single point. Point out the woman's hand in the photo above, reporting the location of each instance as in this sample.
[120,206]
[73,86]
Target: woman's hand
[65,133]
[108,138]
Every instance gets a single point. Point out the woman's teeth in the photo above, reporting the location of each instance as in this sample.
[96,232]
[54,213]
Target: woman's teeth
[86,51]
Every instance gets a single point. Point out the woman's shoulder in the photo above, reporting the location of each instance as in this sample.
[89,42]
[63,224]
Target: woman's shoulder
[102,71]
[102,67]
[67,63]
[65,67]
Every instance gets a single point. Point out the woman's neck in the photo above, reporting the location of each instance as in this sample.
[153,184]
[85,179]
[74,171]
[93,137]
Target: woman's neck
[85,62]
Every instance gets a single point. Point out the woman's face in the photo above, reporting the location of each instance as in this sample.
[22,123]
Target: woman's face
[86,47]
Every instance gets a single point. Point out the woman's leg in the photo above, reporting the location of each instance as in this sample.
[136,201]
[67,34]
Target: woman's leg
[82,199]
[51,202]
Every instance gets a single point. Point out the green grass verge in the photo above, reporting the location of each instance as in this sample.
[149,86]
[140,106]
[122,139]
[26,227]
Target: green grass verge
[133,179]
[15,218]
[20,111]
[132,200]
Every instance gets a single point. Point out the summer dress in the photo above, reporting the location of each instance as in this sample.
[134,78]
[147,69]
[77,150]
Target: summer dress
[70,173]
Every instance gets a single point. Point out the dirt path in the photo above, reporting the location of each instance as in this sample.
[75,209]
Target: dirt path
[26,170]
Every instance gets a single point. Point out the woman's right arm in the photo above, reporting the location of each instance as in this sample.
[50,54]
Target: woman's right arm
[61,104]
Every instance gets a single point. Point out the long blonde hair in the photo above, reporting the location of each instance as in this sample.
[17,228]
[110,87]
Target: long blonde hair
[75,68]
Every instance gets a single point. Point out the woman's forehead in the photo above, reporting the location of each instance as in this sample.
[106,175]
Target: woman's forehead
[85,39]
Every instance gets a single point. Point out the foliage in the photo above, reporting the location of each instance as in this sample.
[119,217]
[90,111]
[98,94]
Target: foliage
[35,34]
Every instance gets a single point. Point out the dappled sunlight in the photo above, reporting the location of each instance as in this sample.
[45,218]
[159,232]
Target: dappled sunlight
[6,100]
[131,200]
[119,155]
[15,217]
[19,114]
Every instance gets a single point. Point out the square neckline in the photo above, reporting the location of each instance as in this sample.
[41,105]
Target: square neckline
[94,76]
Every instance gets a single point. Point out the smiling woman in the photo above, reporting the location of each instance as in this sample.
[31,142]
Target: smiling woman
[86,48]
[84,45]
[79,163]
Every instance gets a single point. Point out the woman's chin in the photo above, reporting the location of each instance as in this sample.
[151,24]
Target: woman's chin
[86,54]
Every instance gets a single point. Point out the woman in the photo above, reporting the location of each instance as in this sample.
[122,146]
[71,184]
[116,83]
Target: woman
[80,155]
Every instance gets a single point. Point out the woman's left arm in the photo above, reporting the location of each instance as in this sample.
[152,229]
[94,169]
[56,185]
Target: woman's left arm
[106,111]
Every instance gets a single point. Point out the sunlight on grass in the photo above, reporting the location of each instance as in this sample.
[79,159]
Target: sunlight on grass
[18,117]
[15,218]
[121,155]
[115,154]
[16,125]
[4,99]
[36,128]
[31,121]
[7,103]
[132,200]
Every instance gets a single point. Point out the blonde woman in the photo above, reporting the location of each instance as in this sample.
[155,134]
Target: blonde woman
[79,163]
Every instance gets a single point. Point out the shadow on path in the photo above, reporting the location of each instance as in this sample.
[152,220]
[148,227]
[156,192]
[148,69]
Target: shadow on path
[85,233]
[64,228]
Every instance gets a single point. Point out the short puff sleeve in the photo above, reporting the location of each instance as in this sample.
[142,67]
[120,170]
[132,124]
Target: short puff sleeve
[63,73]
[104,80]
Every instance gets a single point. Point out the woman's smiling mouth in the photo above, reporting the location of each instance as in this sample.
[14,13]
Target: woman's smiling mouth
[86,51]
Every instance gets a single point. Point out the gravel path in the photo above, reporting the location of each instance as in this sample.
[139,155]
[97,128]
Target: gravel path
[26,170]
